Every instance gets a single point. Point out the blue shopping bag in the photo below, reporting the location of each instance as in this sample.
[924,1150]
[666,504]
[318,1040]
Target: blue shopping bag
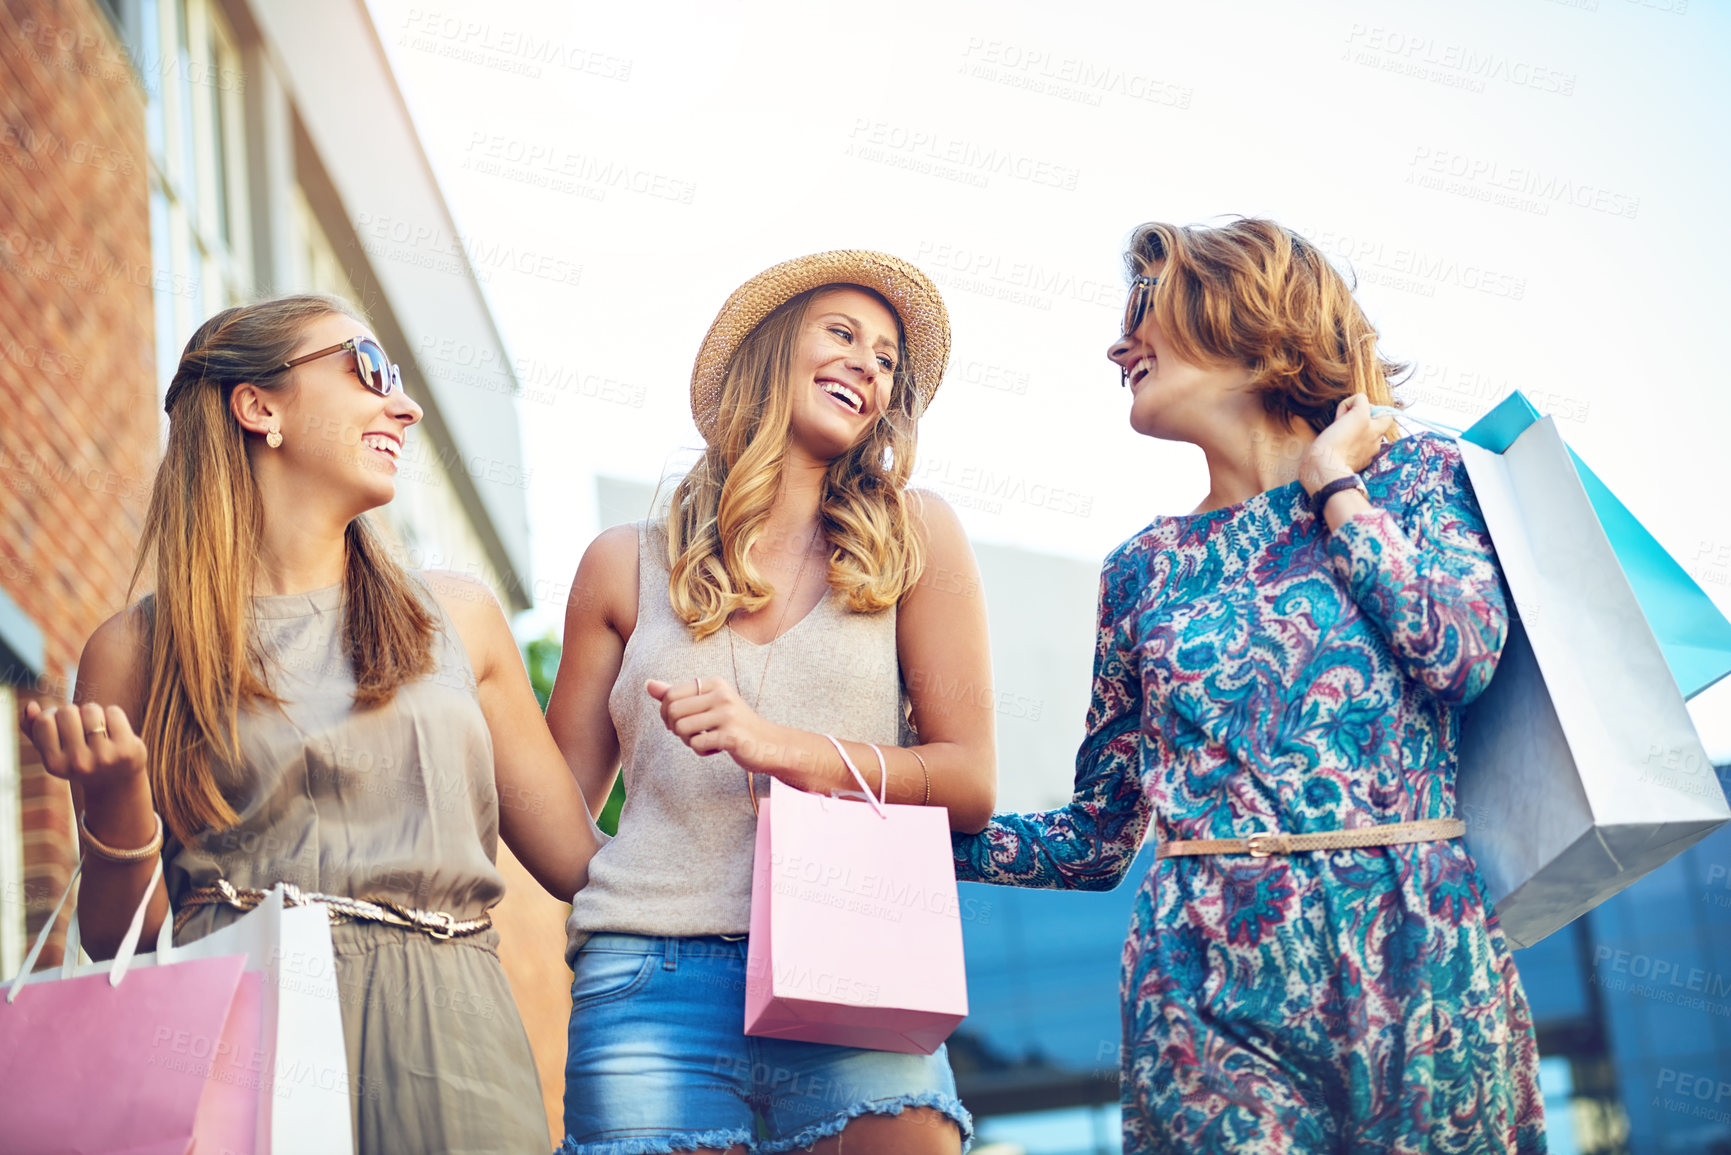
[1693,635]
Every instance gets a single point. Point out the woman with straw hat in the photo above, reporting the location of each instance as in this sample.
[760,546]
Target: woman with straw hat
[795,590]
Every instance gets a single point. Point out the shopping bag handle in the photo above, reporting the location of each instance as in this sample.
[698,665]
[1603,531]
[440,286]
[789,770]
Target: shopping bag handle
[165,939]
[42,937]
[860,778]
[122,957]
[1402,415]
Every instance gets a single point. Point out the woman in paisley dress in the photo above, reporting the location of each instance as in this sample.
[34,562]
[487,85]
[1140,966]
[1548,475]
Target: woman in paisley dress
[1269,665]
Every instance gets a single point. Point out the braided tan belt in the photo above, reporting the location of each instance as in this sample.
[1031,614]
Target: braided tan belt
[1263,845]
[434,923]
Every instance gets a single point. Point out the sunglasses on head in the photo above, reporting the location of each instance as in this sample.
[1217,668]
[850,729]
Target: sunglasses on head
[371,365]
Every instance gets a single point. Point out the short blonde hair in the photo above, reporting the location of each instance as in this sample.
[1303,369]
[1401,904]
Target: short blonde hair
[1253,293]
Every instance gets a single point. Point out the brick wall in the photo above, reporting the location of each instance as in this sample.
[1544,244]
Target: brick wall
[78,400]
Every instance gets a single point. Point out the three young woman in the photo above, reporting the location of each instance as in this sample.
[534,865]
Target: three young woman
[1312,965]
[779,604]
[1279,675]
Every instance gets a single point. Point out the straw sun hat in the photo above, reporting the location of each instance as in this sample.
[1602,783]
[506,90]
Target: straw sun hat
[925,323]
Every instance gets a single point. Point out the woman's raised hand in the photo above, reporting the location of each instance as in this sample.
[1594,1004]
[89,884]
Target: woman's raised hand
[1348,445]
[710,717]
[89,745]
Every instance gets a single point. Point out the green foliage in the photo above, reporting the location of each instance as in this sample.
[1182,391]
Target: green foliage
[609,820]
[543,658]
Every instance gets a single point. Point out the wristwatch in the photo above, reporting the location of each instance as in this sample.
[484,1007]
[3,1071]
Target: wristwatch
[1319,499]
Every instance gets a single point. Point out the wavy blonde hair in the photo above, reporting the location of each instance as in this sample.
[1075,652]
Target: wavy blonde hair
[202,531]
[1253,293]
[721,507]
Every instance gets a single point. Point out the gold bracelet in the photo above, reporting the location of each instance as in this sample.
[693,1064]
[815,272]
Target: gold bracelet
[102,850]
[925,773]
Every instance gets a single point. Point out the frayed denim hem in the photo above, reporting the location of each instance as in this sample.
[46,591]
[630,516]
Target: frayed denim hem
[656,1145]
[807,1137]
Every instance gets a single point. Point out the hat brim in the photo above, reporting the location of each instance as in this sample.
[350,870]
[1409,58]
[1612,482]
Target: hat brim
[918,305]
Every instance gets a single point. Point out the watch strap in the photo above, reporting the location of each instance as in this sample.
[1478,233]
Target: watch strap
[1319,499]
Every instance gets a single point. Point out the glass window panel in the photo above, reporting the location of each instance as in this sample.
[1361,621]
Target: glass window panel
[1713,908]
[1550,971]
[1687,1094]
[193,266]
[1674,1030]
[1606,920]
[1557,1084]
[231,236]
[150,75]
[1641,1109]
[186,174]
[320,271]
[219,143]
[1709,866]
[1663,909]
[1669,879]
[162,284]
[1069,1130]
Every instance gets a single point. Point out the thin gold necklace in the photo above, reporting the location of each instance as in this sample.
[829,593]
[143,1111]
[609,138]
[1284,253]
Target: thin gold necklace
[769,652]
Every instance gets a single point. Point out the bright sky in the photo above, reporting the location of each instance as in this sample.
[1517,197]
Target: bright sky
[1530,191]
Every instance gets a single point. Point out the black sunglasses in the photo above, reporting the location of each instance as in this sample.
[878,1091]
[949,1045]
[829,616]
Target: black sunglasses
[375,370]
[1135,309]
[1141,292]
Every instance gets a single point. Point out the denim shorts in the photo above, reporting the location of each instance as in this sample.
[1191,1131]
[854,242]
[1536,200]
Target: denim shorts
[659,1060]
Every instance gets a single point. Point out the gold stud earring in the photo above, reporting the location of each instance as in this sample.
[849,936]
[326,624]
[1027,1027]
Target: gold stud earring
[274,438]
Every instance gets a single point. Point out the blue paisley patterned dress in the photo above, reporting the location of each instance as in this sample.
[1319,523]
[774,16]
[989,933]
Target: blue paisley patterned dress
[1255,672]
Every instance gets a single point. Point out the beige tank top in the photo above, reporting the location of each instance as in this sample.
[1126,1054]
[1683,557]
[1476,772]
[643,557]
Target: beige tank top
[681,862]
[395,802]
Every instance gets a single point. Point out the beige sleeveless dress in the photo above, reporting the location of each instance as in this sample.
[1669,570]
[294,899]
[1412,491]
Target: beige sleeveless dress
[681,862]
[396,802]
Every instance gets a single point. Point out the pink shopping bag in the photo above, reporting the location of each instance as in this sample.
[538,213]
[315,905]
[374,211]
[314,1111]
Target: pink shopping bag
[113,1058]
[856,933]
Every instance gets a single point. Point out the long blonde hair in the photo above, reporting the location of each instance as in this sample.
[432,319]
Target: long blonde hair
[721,507]
[202,531]
[1254,293]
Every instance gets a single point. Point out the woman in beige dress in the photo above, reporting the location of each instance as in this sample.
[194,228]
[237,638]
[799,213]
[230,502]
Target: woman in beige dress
[291,706]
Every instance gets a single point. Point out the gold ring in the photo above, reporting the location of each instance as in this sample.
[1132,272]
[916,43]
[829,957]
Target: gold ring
[95,730]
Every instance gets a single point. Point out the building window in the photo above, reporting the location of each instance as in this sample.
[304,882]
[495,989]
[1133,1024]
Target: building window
[317,268]
[189,64]
[164,299]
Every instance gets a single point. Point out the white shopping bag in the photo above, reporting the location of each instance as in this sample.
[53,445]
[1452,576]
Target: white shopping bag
[1580,769]
[306,1067]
